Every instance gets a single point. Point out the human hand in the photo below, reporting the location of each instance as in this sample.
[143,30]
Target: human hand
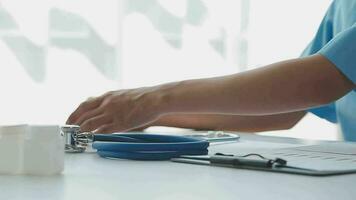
[117,111]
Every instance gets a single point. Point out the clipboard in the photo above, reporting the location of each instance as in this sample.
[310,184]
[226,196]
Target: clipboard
[311,160]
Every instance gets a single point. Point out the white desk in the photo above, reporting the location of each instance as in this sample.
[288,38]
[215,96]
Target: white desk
[87,176]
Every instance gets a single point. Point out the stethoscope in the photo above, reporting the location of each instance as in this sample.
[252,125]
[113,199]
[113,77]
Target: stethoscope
[138,146]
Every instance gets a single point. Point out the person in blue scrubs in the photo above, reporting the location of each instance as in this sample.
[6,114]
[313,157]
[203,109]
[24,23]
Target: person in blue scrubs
[273,97]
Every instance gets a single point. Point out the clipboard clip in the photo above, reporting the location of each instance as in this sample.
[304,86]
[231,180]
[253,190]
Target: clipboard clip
[229,160]
[246,160]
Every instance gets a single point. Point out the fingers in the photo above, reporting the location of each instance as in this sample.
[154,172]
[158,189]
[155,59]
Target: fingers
[114,127]
[83,108]
[107,128]
[94,123]
[115,111]
[88,115]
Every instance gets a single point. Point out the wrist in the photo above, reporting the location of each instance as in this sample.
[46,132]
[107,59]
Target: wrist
[162,98]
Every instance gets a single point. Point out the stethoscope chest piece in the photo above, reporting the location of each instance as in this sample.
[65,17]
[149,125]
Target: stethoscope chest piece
[71,133]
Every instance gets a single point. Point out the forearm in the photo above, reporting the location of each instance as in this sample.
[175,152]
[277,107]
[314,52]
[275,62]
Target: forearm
[288,86]
[231,122]
[284,87]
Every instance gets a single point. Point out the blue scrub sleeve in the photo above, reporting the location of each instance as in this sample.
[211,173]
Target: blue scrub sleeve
[327,112]
[341,51]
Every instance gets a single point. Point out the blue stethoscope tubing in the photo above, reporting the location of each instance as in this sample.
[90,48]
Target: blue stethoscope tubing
[147,146]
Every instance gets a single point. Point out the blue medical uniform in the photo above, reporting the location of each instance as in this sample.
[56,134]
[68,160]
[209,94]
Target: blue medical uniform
[336,40]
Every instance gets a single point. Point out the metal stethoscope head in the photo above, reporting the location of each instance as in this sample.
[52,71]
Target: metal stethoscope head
[75,140]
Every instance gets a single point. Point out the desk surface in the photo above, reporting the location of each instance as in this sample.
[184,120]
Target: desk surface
[87,176]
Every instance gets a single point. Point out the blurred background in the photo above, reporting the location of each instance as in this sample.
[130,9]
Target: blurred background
[56,53]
